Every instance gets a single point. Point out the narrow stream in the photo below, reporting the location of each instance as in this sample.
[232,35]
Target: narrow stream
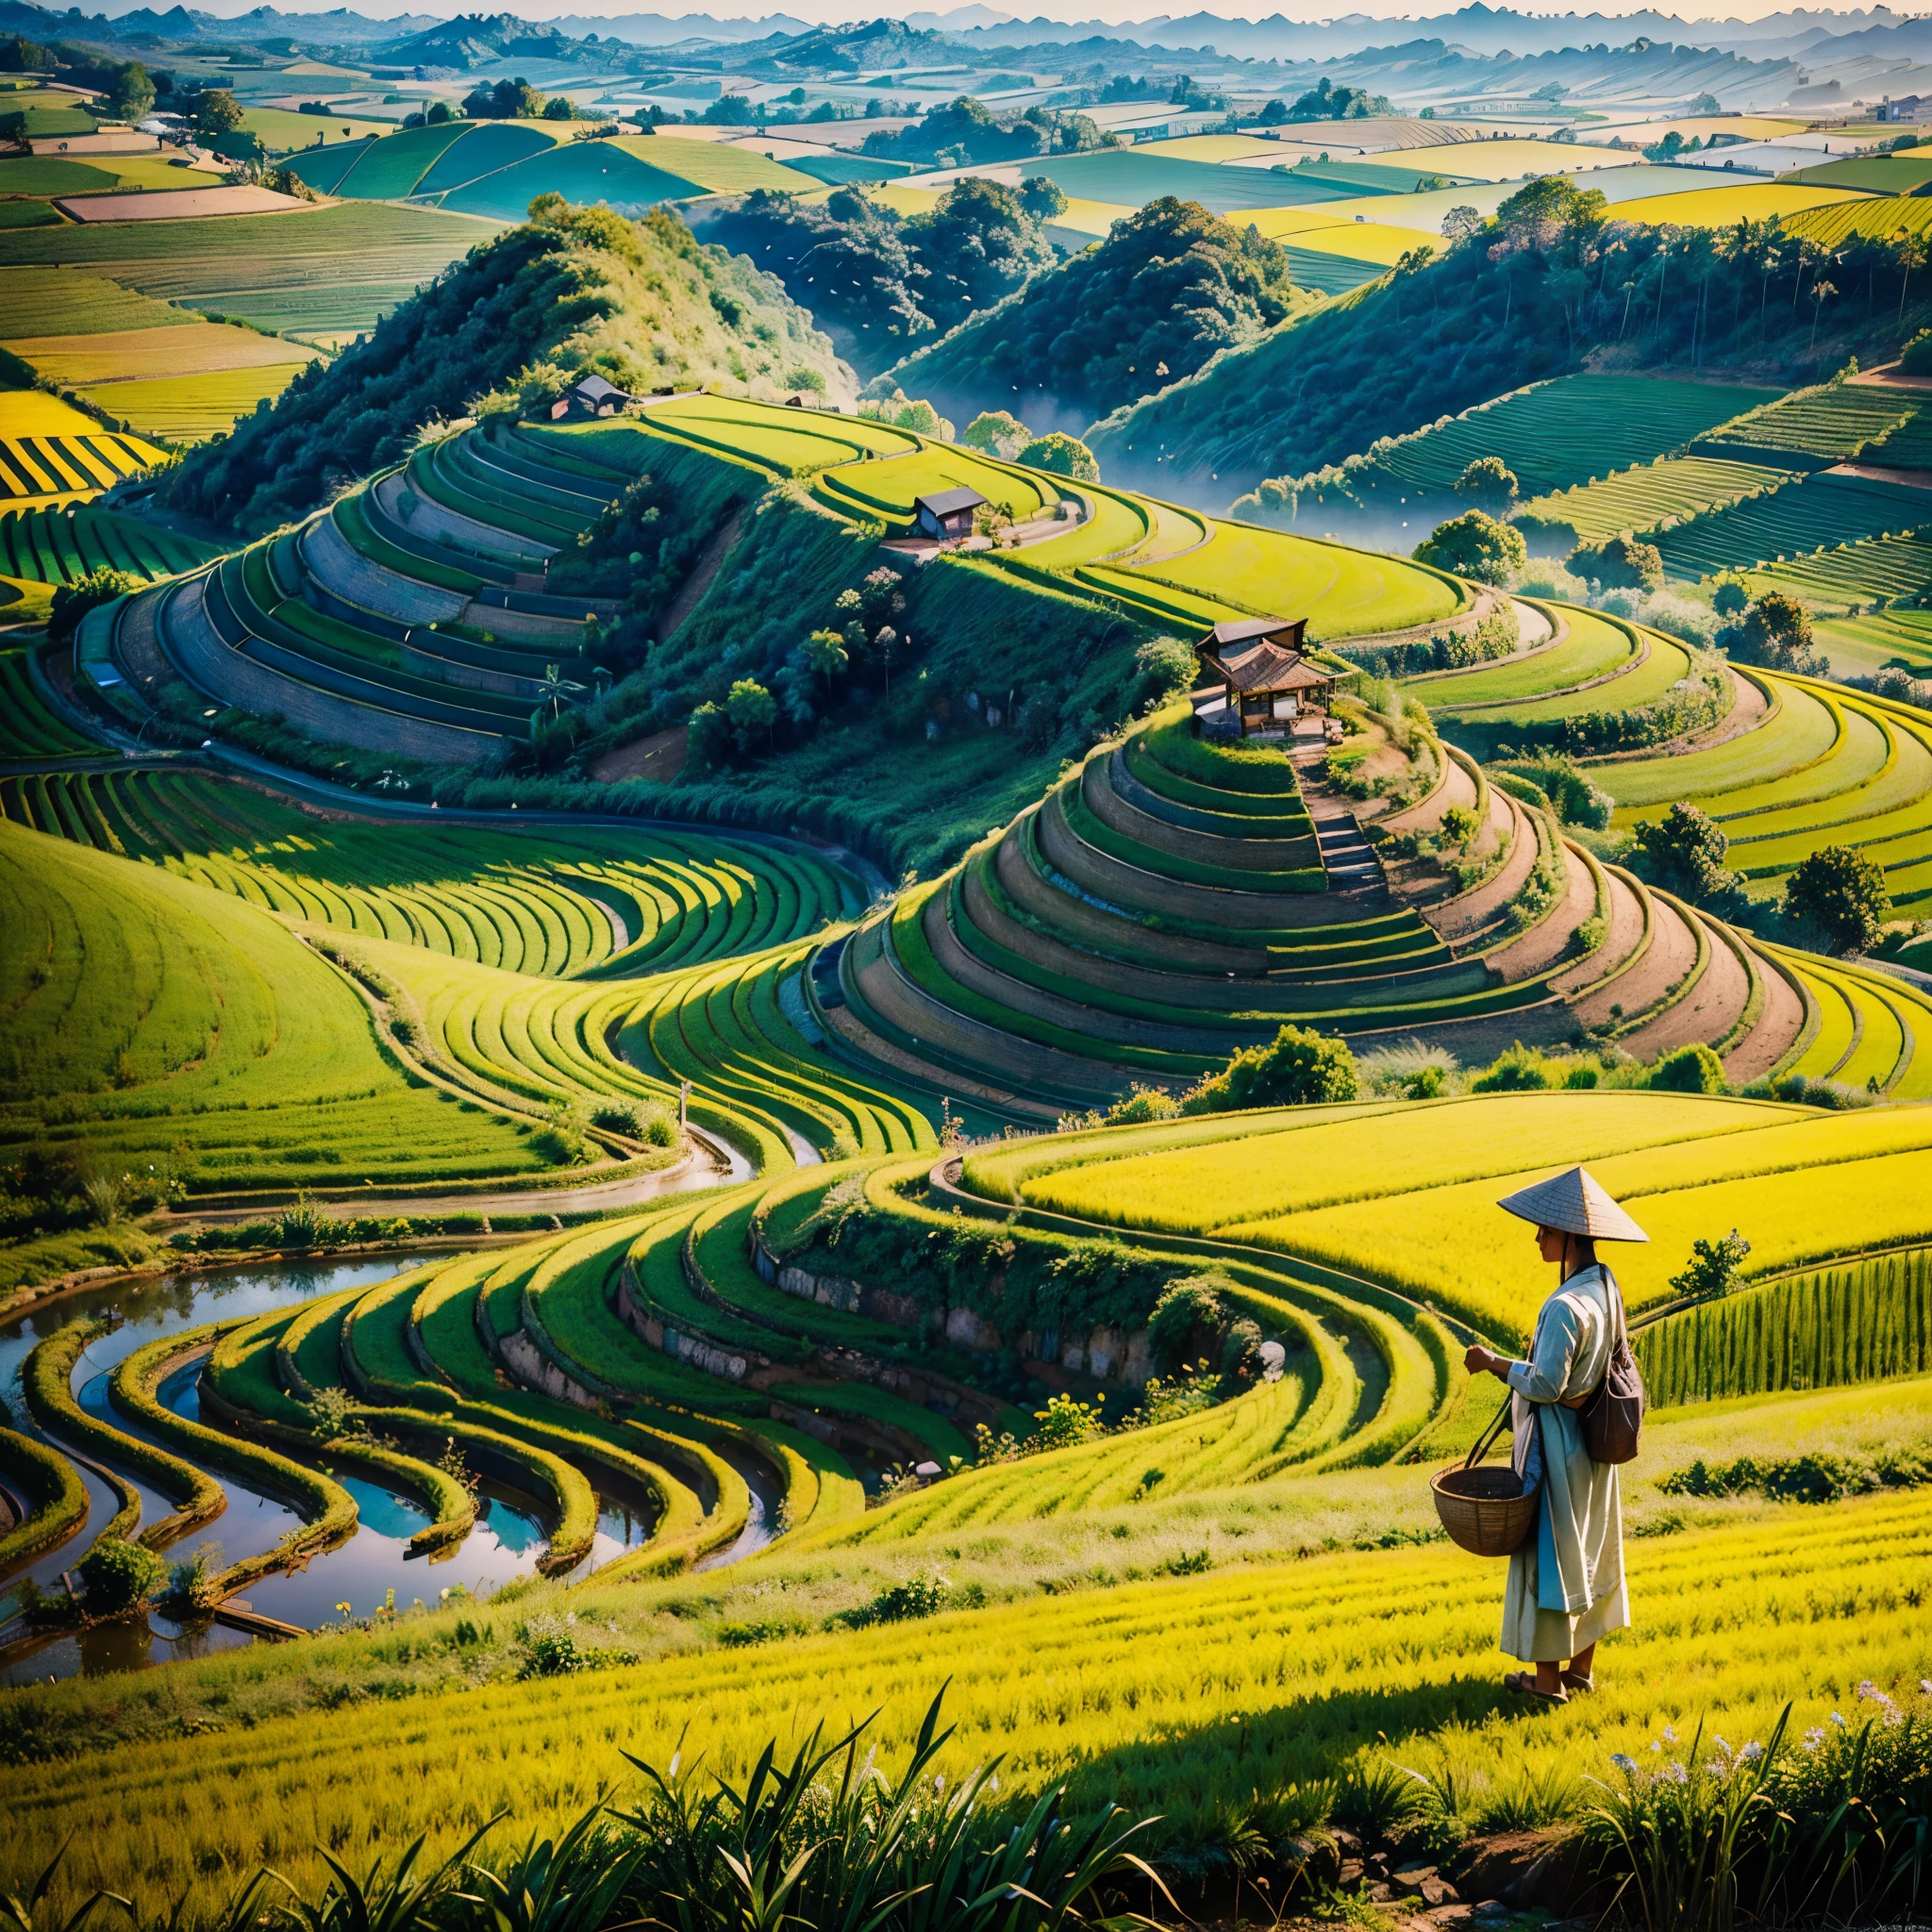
[510,1536]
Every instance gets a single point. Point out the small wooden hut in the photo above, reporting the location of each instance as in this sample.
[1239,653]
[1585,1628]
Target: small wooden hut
[1253,678]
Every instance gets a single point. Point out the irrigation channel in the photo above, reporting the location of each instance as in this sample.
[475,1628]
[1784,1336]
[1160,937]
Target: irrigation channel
[508,1537]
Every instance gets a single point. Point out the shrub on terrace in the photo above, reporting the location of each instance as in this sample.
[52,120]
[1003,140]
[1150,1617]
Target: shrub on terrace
[1693,1068]
[71,602]
[1299,1067]
[119,1576]
[998,432]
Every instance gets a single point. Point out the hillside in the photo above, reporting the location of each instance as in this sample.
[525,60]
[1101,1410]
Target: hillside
[1170,287]
[1544,286]
[641,303]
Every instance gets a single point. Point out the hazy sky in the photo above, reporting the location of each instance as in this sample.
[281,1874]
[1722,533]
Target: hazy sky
[1117,11]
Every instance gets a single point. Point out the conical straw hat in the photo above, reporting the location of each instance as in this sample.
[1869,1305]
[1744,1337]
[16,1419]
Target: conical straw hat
[1576,1203]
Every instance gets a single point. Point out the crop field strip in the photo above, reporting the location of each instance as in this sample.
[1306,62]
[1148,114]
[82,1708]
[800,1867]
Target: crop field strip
[1639,499]
[56,546]
[30,728]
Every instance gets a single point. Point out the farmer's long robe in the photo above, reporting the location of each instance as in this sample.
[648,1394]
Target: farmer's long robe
[1566,1584]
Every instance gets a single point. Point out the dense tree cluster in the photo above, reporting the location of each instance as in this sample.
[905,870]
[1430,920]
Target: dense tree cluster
[1525,294]
[1169,286]
[642,303]
[967,134]
[878,283]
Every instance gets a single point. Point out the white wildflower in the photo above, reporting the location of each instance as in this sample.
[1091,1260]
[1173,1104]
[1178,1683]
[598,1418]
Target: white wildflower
[1838,1718]
[1670,1736]
[1752,1752]
[1656,1745]
[1814,1737]
[1625,1763]
[1925,1687]
[1676,1774]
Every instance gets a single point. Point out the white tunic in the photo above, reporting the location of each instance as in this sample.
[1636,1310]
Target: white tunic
[1566,1584]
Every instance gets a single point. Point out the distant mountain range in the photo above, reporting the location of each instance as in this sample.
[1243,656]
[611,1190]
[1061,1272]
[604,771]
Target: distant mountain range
[1475,51]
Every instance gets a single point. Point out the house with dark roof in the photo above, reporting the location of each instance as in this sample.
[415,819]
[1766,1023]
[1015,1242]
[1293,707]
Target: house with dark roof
[946,513]
[590,396]
[1253,678]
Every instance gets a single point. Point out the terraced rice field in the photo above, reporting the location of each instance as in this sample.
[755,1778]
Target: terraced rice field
[1402,1199]
[1571,430]
[209,1039]
[1640,498]
[1852,576]
[1825,764]
[55,547]
[563,903]
[1837,422]
[28,726]
[1594,648]
[1794,520]
[232,263]
[191,408]
[52,454]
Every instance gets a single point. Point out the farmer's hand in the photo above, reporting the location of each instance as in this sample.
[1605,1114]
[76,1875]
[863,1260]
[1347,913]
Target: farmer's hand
[1483,1361]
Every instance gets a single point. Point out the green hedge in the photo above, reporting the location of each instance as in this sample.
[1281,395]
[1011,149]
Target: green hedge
[54,1488]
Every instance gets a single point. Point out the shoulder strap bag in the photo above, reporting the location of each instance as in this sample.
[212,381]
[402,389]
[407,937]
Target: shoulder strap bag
[1611,1414]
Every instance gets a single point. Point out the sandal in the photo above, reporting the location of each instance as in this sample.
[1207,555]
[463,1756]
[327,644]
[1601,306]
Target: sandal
[1523,1684]
[1575,1680]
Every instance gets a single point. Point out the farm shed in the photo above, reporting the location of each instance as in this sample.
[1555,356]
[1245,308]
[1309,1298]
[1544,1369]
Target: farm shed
[1253,678]
[593,396]
[947,512]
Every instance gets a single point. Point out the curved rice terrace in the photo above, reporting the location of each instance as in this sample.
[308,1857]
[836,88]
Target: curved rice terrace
[735,1418]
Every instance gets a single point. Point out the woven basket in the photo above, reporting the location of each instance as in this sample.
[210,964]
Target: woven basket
[1484,1508]
[1481,1504]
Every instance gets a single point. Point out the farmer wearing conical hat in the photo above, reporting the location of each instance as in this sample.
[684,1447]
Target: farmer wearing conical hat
[1566,1583]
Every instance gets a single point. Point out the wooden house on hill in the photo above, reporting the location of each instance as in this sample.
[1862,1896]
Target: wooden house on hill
[1253,678]
[591,396]
[946,513]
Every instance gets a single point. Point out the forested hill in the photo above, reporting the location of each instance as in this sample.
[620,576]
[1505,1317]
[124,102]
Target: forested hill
[1549,283]
[642,303]
[1168,288]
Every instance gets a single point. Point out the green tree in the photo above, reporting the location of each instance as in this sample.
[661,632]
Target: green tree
[998,432]
[1730,596]
[1693,1068]
[827,657]
[1620,563]
[216,112]
[71,602]
[1476,545]
[440,113]
[1839,894]
[1774,631]
[1489,483]
[133,94]
[557,108]
[752,712]
[1040,196]
[1713,1266]
[1298,1068]
[1060,454]
[1684,852]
